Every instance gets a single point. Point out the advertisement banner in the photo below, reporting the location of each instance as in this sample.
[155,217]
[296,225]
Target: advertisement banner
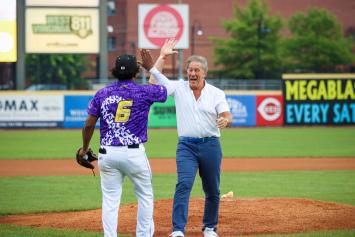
[269,111]
[325,100]
[156,23]
[21,110]
[162,114]
[243,109]
[75,110]
[63,3]
[8,41]
[62,30]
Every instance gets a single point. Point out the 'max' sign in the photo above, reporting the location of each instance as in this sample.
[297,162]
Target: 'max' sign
[23,105]
[317,101]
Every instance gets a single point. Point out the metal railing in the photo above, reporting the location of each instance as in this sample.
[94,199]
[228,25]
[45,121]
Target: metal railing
[223,84]
[246,84]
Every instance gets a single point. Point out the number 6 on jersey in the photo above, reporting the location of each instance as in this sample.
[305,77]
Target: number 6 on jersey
[123,111]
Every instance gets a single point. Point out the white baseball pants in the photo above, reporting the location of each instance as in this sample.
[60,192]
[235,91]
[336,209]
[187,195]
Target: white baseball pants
[117,163]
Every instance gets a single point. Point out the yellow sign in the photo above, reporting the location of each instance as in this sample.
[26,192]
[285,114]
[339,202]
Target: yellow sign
[8,52]
[58,30]
[8,43]
[319,99]
[319,89]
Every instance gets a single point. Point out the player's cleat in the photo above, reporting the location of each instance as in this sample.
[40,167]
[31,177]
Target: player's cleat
[209,232]
[176,234]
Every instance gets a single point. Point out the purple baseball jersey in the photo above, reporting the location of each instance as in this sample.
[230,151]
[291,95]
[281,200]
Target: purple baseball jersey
[123,109]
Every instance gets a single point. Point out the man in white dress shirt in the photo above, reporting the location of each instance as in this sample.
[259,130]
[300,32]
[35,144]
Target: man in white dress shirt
[201,111]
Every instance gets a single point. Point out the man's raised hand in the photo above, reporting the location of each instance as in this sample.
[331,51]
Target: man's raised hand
[168,48]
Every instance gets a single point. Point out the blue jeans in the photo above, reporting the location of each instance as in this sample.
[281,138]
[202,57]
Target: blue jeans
[205,155]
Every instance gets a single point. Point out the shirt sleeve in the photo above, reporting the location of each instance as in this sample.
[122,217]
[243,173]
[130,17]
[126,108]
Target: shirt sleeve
[221,104]
[94,107]
[163,80]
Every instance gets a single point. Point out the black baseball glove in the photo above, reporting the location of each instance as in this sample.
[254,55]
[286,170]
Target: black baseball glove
[85,161]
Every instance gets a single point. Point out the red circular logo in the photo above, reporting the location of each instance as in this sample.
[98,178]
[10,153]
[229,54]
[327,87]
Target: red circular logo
[271,108]
[161,23]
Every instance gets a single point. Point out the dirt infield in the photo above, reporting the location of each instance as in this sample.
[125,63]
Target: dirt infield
[237,216]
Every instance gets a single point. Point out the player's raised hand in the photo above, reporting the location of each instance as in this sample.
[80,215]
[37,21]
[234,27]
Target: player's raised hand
[168,48]
[147,60]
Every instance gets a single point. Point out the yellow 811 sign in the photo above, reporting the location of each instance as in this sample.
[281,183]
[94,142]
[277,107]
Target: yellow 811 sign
[58,30]
[81,26]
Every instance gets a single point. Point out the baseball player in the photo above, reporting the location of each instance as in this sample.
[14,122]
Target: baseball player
[123,108]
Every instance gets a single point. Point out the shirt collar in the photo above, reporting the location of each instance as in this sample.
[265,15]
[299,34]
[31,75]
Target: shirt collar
[123,82]
[203,88]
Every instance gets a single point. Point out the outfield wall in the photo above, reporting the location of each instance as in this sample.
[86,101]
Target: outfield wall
[306,99]
[58,109]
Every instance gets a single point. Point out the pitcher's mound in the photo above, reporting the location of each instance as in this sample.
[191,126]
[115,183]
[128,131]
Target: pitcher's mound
[236,217]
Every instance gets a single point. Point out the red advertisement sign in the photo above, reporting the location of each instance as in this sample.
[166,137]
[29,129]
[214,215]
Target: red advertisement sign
[269,110]
[161,23]
[156,23]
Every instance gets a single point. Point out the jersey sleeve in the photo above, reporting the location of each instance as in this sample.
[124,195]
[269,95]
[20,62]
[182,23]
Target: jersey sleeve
[157,93]
[94,107]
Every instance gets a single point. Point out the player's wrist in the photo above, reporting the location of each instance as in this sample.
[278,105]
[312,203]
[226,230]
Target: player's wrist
[162,56]
[153,70]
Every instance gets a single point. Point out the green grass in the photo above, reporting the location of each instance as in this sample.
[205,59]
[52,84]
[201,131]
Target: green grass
[40,144]
[14,231]
[332,186]
[237,142]
[41,194]
[337,233]
[289,142]
[46,194]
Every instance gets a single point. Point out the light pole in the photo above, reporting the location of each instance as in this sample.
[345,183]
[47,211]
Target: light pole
[258,35]
[196,30]
[103,54]
[260,31]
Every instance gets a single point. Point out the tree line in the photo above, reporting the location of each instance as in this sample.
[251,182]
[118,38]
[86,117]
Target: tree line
[260,46]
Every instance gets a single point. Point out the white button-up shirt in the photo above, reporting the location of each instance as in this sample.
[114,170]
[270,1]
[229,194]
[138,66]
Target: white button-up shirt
[195,118]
